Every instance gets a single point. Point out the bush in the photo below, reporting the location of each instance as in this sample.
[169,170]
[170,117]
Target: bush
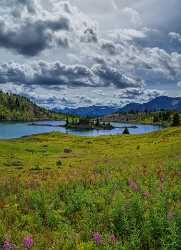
[59,163]
[176,120]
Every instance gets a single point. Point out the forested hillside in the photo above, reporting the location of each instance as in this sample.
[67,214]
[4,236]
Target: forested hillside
[19,108]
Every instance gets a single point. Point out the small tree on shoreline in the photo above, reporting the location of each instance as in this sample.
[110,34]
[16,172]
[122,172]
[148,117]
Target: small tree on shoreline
[126,131]
[67,121]
[176,120]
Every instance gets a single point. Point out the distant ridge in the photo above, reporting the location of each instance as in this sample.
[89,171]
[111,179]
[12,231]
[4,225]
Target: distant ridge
[90,111]
[159,103]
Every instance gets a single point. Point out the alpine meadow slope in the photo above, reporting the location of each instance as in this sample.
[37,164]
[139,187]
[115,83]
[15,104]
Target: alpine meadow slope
[100,72]
[108,192]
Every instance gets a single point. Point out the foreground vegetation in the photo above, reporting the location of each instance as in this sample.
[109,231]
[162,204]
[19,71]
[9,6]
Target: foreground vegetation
[19,108]
[112,192]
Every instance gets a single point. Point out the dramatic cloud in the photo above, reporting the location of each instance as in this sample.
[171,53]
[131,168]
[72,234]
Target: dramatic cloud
[28,28]
[47,74]
[80,53]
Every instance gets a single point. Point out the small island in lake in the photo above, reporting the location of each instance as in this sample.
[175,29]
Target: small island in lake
[85,123]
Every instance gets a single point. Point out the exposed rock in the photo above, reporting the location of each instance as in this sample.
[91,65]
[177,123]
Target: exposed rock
[67,150]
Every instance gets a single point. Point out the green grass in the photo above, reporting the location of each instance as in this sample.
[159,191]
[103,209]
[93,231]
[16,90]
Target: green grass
[62,197]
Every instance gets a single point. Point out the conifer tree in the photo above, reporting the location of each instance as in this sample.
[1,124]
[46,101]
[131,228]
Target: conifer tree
[176,120]
[126,131]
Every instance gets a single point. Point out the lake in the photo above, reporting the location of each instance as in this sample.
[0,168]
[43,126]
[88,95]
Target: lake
[10,130]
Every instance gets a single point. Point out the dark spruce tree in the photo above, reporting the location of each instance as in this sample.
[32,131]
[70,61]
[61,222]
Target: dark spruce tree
[97,122]
[176,120]
[155,118]
[67,121]
[126,131]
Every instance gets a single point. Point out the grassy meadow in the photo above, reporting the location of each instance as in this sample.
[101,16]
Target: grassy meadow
[108,192]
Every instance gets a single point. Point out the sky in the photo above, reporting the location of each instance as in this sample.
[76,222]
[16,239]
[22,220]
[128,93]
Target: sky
[76,53]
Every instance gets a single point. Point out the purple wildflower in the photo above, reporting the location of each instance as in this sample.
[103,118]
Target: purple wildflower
[161,183]
[133,185]
[97,237]
[146,194]
[170,215]
[161,178]
[6,244]
[28,242]
[112,238]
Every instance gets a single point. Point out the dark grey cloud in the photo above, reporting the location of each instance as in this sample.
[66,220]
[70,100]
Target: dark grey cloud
[89,36]
[27,28]
[109,46]
[139,94]
[47,74]
[111,75]
[32,36]
[108,51]
[29,40]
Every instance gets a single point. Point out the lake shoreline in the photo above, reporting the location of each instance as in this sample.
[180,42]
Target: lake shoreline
[80,129]
[13,130]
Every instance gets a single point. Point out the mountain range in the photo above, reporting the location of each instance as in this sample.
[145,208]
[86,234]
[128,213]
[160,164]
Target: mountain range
[14,107]
[90,111]
[159,103]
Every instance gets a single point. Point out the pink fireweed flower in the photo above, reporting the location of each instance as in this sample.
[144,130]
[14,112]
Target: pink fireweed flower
[133,185]
[146,194]
[170,215]
[112,238]
[28,242]
[161,183]
[161,178]
[97,237]
[161,187]
[6,245]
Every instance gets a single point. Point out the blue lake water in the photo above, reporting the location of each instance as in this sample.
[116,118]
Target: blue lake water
[10,130]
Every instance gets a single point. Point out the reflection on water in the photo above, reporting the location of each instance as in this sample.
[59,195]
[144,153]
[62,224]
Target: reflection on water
[9,130]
